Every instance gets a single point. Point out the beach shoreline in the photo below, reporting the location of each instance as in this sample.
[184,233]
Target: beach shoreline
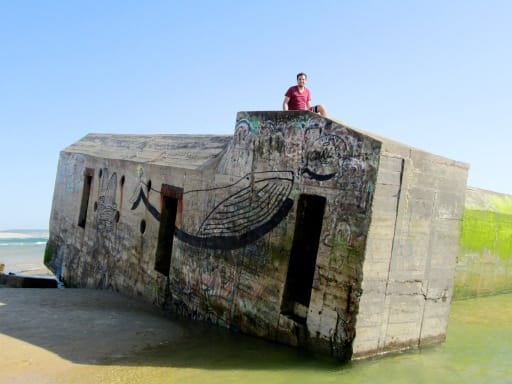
[22,252]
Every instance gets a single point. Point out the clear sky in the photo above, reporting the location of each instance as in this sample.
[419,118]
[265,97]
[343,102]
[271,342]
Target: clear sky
[434,74]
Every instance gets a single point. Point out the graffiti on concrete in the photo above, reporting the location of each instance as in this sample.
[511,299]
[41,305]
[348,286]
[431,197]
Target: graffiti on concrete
[334,154]
[323,156]
[247,210]
[104,250]
[319,150]
[141,194]
[212,281]
[253,206]
[107,207]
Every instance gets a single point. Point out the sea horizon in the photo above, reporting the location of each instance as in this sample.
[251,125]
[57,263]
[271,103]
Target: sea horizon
[22,250]
[24,233]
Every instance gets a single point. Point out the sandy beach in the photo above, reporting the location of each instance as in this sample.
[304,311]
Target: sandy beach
[58,335]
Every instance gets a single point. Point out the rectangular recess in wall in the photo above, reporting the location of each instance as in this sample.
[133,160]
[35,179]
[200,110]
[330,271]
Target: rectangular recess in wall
[170,200]
[86,193]
[302,263]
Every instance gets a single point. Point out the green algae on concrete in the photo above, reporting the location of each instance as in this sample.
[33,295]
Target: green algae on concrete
[49,251]
[484,230]
[484,265]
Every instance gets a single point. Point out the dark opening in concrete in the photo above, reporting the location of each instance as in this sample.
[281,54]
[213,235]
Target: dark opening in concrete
[86,192]
[170,198]
[301,268]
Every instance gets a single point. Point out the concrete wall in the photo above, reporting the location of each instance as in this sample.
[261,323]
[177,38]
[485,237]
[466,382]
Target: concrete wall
[411,250]
[318,158]
[484,264]
[114,247]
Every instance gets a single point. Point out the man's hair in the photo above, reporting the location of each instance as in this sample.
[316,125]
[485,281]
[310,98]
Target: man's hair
[301,74]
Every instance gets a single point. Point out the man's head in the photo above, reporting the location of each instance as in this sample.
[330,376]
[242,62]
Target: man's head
[301,80]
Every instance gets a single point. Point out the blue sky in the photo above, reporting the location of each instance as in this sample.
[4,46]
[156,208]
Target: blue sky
[436,75]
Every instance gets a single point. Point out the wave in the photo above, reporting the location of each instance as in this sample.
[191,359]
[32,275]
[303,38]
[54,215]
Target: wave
[23,242]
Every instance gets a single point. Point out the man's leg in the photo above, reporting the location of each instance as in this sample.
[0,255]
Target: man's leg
[321,110]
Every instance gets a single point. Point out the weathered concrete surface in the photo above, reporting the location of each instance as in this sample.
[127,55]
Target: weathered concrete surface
[182,151]
[298,229]
[484,264]
[411,250]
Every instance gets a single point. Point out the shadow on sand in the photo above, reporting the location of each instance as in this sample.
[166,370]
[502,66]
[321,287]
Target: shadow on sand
[88,326]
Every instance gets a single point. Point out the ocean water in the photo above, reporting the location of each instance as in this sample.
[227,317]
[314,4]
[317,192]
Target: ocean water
[23,254]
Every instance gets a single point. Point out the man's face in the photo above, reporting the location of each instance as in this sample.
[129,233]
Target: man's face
[301,80]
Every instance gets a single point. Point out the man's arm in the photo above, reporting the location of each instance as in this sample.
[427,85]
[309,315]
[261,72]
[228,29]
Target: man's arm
[285,103]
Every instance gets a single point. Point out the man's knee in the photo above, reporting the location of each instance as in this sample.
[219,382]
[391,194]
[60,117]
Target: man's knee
[320,109]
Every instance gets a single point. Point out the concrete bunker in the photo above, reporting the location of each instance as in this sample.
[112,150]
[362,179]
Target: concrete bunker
[297,229]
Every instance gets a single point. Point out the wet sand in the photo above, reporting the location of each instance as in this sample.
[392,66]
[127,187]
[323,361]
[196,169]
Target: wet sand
[53,335]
